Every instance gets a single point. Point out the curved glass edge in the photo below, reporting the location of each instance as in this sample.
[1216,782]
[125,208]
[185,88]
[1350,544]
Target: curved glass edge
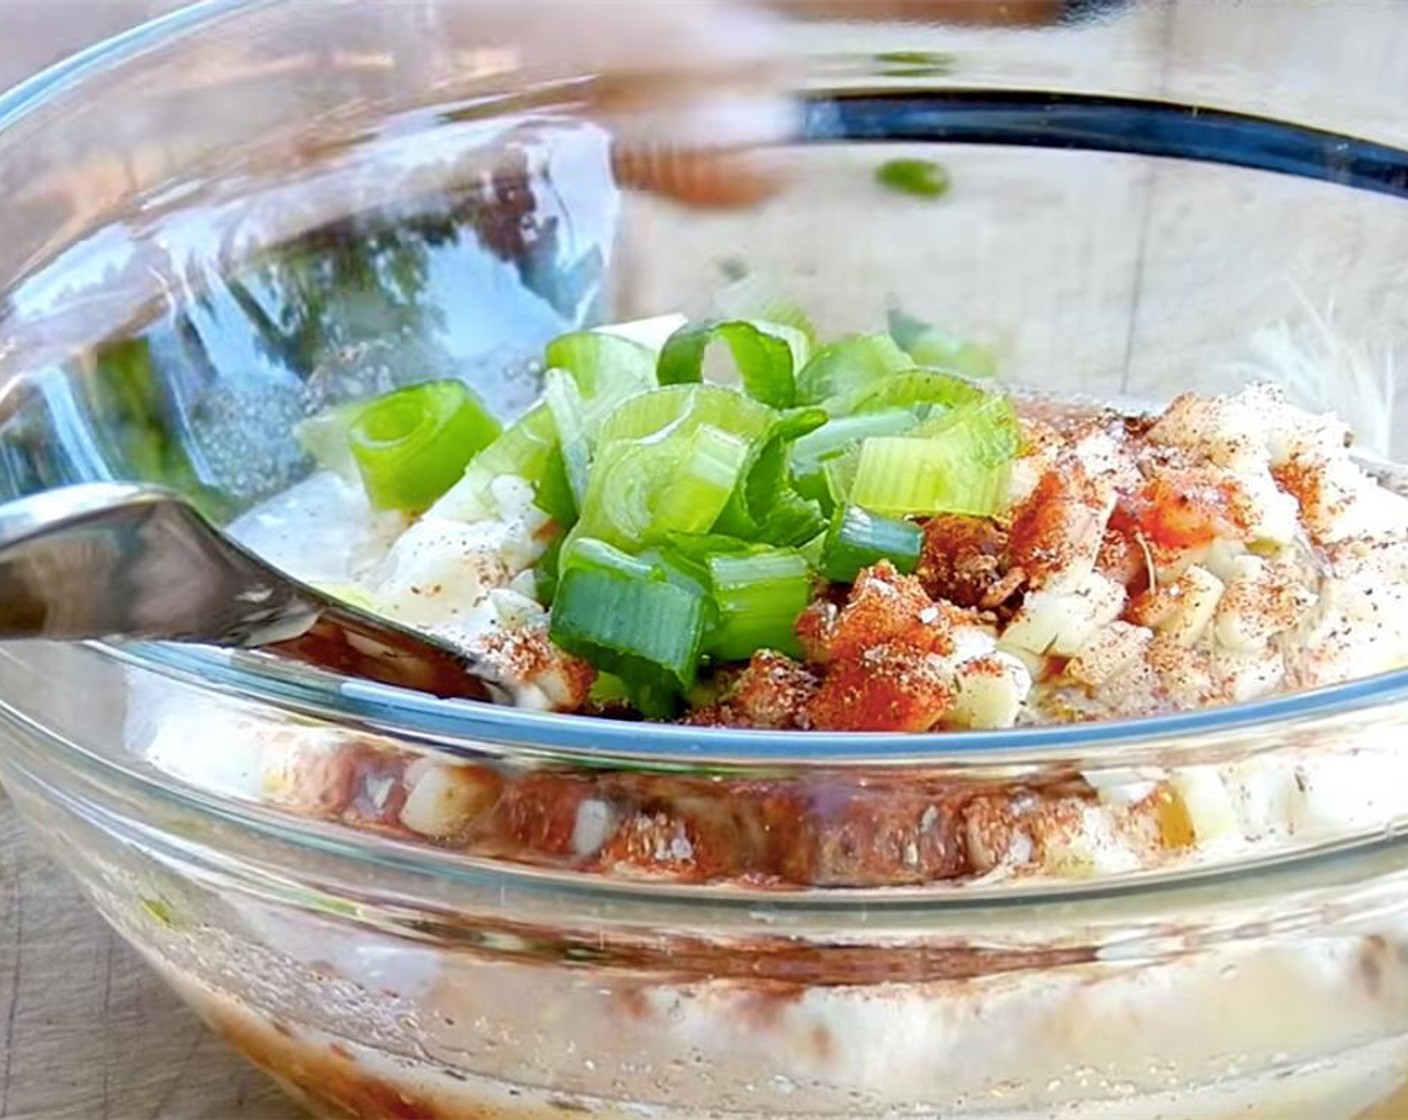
[21,99]
[1297,883]
[448,725]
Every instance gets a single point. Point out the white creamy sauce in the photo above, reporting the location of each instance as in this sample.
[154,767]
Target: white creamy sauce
[320,530]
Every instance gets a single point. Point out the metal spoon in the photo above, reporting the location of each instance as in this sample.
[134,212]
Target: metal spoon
[124,560]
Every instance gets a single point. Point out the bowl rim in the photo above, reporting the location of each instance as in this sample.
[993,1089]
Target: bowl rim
[453,725]
[28,94]
[467,728]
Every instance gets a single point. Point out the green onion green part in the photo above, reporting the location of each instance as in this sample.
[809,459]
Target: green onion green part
[916,64]
[602,365]
[765,354]
[413,444]
[645,631]
[813,451]
[923,178]
[850,366]
[640,492]
[903,475]
[692,520]
[565,402]
[754,298]
[858,539]
[924,391]
[589,553]
[758,596]
[792,520]
[683,408]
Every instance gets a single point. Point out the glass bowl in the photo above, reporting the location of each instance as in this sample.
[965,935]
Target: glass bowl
[405,907]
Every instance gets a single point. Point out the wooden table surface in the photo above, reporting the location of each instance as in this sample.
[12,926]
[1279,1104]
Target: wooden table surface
[86,1033]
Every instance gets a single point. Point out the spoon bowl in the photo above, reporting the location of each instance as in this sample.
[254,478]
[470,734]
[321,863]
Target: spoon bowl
[109,560]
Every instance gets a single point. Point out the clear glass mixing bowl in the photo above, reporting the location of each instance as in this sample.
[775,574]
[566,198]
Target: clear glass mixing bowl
[226,220]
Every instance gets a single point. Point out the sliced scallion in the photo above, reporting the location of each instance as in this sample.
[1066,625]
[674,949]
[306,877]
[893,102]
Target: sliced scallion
[547,570]
[682,408]
[413,444]
[922,390]
[811,452]
[758,596]
[602,364]
[903,475]
[987,427]
[564,400]
[766,356]
[710,471]
[849,366]
[792,520]
[645,631]
[858,539]
[840,475]
[589,553]
[753,297]
[640,492]
[923,178]
[765,474]
[527,448]
[552,491]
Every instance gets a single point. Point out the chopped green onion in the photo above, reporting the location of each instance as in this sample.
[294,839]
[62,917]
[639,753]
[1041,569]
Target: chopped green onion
[858,539]
[843,431]
[683,408]
[700,546]
[752,297]
[903,475]
[413,444]
[712,469]
[922,390]
[812,451]
[929,346]
[552,490]
[547,570]
[765,474]
[915,64]
[596,555]
[523,448]
[840,475]
[641,492]
[766,355]
[527,449]
[791,521]
[683,570]
[758,596]
[987,426]
[851,365]
[645,631]
[923,178]
[564,401]
[602,364]
[608,688]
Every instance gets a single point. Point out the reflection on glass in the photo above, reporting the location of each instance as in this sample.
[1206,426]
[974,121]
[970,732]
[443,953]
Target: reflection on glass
[464,283]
